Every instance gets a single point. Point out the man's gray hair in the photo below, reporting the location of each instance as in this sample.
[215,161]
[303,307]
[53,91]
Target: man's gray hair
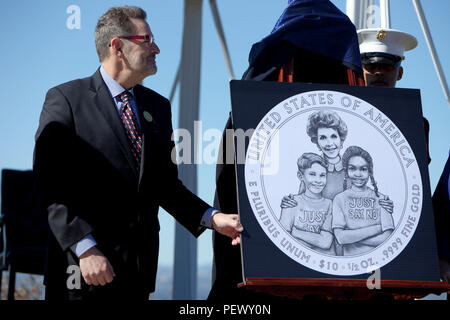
[115,22]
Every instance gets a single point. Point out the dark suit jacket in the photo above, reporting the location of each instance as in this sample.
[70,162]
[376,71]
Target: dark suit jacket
[441,206]
[86,177]
[227,265]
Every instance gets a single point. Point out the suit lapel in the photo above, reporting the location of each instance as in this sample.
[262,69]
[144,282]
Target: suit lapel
[148,126]
[105,104]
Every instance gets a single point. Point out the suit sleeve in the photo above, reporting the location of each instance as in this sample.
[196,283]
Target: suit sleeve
[187,208]
[54,167]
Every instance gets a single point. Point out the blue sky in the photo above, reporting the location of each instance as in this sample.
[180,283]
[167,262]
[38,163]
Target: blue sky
[39,52]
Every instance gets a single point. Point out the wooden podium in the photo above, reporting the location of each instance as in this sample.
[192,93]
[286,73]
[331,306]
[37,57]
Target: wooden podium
[343,289]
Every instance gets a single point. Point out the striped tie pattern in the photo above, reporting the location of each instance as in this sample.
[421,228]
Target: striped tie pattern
[130,124]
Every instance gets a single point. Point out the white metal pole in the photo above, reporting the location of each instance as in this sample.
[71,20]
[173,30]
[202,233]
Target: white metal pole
[175,84]
[357,12]
[434,55]
[351,11]
[385,14]
[185,262]
[365,6]
[221,34]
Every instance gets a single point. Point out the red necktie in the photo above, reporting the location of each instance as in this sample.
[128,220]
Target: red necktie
[130,124]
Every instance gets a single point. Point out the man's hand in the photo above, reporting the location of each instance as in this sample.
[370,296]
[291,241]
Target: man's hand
[387,204]
[95,268]
[444,268]
[288,202]
[228,225]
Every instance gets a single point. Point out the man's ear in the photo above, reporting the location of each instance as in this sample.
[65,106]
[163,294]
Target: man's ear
[400,73]
[116,46]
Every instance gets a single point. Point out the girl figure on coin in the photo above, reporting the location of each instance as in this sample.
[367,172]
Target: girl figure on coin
[359,222]
[310,220]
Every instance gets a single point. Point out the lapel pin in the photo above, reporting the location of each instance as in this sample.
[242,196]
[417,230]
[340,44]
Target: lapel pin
[148,116]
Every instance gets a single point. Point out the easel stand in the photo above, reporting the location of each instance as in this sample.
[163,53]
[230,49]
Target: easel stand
[343,289]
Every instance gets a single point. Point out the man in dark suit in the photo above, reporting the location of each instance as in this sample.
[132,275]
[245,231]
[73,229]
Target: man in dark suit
[103,167]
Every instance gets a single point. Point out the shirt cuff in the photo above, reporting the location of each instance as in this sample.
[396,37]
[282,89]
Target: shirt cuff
[83,245]
[207,218]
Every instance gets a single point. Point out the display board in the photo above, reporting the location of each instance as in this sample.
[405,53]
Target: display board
[332,182]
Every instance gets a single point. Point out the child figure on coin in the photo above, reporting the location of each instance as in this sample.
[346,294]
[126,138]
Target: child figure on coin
[310,220]
[359,222]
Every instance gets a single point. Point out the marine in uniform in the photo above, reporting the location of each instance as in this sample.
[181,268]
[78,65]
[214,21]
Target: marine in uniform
[382,52]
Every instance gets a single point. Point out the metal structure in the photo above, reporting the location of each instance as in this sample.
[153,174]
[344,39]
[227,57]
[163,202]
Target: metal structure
[185,264]
[188,79]
[433,53]
[385,14]
[359,10]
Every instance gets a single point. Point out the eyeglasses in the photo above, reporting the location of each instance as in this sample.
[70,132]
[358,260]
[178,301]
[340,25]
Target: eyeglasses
[147,38]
